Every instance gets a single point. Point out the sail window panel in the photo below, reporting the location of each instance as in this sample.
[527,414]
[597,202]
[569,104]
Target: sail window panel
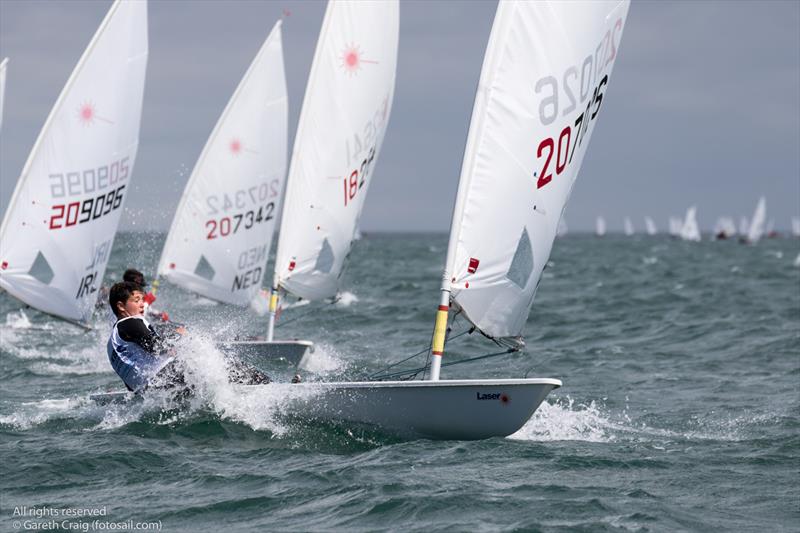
[204,269]
[325,259]
[41,270]
[522,264]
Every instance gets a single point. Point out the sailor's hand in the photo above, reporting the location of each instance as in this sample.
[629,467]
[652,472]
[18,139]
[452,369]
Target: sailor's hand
[181,330]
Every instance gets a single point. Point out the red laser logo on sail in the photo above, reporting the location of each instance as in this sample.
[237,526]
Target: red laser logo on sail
[87,114]
[352,58]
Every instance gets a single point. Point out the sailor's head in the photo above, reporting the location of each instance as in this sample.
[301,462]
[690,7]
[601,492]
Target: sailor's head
[126,299]
[134,276]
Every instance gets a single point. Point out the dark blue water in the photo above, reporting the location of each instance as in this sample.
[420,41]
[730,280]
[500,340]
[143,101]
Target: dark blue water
[680,408]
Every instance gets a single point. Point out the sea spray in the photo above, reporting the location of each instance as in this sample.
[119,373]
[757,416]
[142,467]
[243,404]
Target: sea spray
[261,407]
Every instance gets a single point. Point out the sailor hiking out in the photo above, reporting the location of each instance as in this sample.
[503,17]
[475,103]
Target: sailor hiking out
[143,356]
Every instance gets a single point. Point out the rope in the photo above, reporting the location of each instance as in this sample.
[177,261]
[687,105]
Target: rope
[414,372]
[426,349]
[312,309]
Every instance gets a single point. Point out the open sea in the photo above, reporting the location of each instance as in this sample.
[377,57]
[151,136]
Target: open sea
[680,409]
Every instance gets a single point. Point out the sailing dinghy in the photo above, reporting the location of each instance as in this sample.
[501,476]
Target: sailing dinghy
[628,227]
[650,224]
[59,228]
[600,227]
[690,230]
[221,235]
[755,230]
[343,120]
[511,195]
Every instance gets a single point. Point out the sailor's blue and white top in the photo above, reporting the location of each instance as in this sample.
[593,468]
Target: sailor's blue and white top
[133,352]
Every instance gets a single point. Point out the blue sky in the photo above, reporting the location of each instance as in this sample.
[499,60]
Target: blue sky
[703,107]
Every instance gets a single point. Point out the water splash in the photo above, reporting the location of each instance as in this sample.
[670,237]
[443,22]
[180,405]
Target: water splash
[18,320]
[562,420]
[324,360]
[346,299]
[261,407]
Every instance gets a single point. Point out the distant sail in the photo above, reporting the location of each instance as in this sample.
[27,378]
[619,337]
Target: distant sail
[221,235]
[342,124]
[59,228]
[690,230]
[3,67]
[650,225]
[600,227]
[744,227]
[796,226]
[524,150]
[628,227]
[675,225]
[756,230]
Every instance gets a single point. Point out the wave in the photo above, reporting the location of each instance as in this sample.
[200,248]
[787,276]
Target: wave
[566,420]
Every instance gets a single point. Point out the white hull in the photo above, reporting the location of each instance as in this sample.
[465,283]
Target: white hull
[467,409]
[267,353]
[446,409]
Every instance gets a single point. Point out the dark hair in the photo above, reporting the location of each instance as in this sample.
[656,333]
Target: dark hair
[134,276]
[121,292]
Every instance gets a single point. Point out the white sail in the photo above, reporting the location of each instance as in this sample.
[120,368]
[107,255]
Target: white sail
[342,124]
[600,227]
[628,227]
[744,227]
[756,229]
[690,230]
[221,235]
[57,233]
[729,226]
[3,67]
[675,225]
[544,77]
[650,225]
[796,226]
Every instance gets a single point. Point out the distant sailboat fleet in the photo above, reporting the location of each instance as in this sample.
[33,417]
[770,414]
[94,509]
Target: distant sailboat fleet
[750,231]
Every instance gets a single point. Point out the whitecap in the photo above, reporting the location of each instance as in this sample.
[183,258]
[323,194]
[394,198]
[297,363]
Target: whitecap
[345,299]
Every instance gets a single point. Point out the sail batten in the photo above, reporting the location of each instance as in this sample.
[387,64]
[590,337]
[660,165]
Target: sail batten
[219,241]
[59,227]
[344,117]
[545,74]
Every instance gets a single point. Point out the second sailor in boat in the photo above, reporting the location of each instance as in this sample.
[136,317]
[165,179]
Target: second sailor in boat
[142,357]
